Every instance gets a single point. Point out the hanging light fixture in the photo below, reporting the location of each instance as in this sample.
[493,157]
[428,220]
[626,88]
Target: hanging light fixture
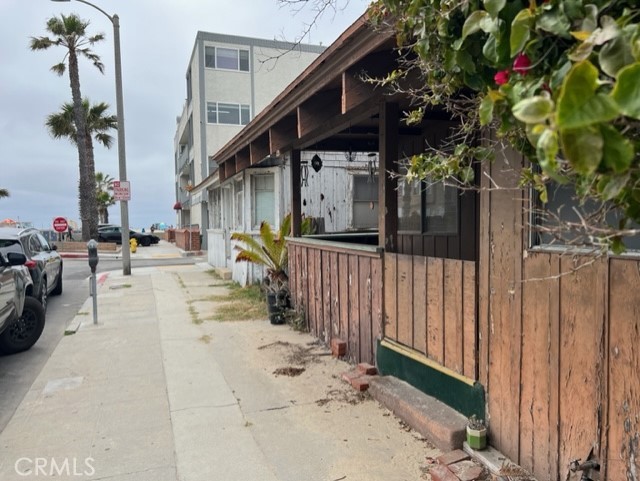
[316,163]
[304,174]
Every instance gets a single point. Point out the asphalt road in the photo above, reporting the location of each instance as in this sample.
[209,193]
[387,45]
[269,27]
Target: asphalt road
[18,371]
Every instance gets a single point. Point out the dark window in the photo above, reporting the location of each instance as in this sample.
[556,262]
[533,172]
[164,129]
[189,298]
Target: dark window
[212,113]
[244,114]
[227,58]
[427,208]
[244,60]
[227,113]
[210,57]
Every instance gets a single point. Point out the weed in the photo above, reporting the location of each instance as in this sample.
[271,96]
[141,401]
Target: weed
[82,313]
[206,338]
[214,273]
[194,315]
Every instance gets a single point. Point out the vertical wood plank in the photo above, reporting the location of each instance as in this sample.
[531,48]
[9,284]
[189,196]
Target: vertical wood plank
[435,309]
[317,294]
[376,303]
[420,304]
[441,246]
[306,302]
[505,305]
[539,354]
[293,273]
[390,296]
[343,294]
[469,319]
[428,246]
[326,296]
[387,183]
[335,297]
[623,447]
[405,304]
[453,357]
[365,309]
[484,257]
[468,228]
[581,357]
[416,248]
[354,310]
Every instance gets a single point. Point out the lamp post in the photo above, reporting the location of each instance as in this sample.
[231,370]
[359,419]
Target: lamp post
[122,158]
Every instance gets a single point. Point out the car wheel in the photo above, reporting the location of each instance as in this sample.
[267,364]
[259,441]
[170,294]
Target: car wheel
[24,332]
[58,289]
[145,241]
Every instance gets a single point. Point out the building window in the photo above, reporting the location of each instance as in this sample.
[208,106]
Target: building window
[365,202]
[239,205]
[227,113]
[226,58]
[563,207]
[263,197]
[429,209]
[215,208]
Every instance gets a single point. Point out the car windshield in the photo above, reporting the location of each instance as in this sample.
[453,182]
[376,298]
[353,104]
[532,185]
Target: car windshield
[8,245]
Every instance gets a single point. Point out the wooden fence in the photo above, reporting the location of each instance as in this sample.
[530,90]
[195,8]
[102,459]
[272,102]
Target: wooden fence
[430,306]
[338,287]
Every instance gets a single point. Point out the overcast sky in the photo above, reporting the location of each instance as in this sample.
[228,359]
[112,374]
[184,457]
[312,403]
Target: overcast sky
[157,38]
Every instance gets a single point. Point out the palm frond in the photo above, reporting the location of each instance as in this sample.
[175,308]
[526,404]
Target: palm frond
[4,193]
[40,43]
[59,69]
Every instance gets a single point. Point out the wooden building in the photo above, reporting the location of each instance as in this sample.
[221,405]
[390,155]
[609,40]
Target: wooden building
[454,297]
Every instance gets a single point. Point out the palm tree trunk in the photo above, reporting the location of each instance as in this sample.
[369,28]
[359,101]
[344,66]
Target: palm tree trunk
[92,205]
[84,183]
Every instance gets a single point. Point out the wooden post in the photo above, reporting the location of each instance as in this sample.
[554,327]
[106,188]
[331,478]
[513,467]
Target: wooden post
[296,209]
[387,193]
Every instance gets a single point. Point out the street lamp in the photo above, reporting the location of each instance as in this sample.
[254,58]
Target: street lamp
[122,158]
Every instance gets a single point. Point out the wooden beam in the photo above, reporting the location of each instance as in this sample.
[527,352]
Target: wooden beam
[243,160]
[387,183]
[259,148]
[355,89]
[317,110]
[296,196]
[282,134]
[230,169]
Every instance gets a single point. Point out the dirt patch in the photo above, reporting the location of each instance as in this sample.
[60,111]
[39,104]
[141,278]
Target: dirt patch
[344,396]
[289,371]
[274,344]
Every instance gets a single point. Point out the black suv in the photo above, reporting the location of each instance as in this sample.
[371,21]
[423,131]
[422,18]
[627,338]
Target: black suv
[113,233]
[43,261]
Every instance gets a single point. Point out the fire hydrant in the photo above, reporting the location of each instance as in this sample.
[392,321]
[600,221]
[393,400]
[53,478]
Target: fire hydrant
[133,244]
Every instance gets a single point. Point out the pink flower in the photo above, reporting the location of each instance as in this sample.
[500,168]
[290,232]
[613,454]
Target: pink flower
[502,77]
[521,64]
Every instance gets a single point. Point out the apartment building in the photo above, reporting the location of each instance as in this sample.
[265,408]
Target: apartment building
[229,80]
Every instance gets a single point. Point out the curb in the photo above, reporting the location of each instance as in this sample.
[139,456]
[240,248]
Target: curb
[77,321]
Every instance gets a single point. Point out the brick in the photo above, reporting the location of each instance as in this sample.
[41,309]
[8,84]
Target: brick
[338,347]
[466,470]
[361,383]
[440,472]
[349,376]
[367,369]
[452,457]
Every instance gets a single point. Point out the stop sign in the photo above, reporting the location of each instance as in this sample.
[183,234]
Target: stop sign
[60,224]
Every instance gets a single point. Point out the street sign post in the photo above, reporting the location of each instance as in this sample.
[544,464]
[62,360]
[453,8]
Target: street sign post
[122,190]
[60,224]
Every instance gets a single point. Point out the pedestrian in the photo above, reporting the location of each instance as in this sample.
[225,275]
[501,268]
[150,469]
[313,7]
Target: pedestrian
[69,233]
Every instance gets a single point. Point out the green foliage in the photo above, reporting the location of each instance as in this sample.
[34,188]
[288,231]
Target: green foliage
[268,250]
[559,80]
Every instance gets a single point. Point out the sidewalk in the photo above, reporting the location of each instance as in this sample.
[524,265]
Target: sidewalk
[161,250]
[157,392]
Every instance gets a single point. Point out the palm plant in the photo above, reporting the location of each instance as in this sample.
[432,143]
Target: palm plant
[98,124]
[104,187]
[269,250]
[4,193]
[70,32]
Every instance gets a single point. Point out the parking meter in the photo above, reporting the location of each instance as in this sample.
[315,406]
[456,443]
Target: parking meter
[92,246]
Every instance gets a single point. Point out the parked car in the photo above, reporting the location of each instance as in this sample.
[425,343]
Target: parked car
[21,316]
[43,261]
[113,233]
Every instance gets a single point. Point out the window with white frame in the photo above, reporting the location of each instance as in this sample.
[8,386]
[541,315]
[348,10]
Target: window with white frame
[263,198]
[365,202]
[228,113]
[215,208]
[239,205]
[226,58]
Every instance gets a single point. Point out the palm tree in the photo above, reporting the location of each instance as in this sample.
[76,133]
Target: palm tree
[97,124]
[69,32]
[4,193]
[104,187]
